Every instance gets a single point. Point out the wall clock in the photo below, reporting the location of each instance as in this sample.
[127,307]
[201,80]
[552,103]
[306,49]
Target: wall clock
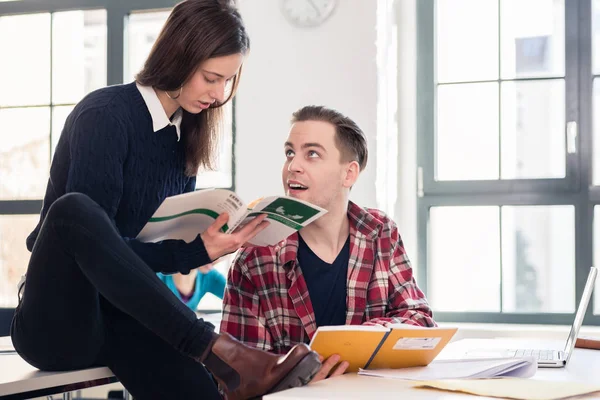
[307,13]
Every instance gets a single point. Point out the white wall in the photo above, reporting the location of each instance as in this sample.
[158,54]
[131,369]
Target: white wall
[333,65]
[406,206]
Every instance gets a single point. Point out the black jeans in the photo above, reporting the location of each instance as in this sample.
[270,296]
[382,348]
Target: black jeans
[89,300]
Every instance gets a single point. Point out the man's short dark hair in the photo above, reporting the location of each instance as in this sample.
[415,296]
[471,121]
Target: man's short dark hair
[349,138]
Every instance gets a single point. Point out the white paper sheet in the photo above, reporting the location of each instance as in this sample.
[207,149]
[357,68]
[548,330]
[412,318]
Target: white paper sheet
[458,369]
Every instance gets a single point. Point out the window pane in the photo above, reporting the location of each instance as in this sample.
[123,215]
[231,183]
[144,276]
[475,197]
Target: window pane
[78,54]
[24,152]
[538,259]
[222,175]
[597,258]
[467,132]
[25,66]
[533,126]
[143,29]
[14,256]
[596,36]
[464,266]
[596,139]
[533,38]
[466,40]
[59,116]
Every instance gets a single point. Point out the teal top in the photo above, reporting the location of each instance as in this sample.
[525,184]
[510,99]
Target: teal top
[211,282]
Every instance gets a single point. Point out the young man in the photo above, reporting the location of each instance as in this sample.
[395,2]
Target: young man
[348,267]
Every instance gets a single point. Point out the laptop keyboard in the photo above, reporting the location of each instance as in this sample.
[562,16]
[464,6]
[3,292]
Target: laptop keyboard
[543,355]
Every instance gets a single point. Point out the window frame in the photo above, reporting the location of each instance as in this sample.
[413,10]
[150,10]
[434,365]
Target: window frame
[117,13]
[575,189]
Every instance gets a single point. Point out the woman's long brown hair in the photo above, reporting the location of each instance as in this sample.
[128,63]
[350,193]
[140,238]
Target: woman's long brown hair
[195,31]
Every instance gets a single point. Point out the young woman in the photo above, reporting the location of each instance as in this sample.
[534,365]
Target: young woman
[91,296]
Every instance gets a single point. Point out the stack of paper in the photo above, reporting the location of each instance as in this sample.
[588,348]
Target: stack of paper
[459,369]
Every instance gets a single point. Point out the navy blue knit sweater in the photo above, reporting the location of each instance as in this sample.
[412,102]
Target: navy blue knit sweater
[109,151]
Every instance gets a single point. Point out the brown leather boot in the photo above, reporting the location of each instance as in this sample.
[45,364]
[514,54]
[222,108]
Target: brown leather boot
[245,372]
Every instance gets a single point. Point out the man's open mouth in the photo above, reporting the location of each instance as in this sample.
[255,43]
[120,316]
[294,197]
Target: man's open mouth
[297,186]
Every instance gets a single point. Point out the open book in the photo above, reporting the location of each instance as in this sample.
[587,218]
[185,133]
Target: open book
[396,346]
[186,215]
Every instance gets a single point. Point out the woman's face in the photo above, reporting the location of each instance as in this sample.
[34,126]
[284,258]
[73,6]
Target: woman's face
[210,83]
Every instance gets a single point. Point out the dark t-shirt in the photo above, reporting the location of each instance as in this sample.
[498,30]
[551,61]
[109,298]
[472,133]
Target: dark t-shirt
[326,283]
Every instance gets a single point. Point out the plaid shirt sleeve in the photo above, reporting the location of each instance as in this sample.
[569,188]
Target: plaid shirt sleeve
[406,302]
[241,318]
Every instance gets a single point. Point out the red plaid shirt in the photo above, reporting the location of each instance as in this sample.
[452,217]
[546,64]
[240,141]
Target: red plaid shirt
[267,304]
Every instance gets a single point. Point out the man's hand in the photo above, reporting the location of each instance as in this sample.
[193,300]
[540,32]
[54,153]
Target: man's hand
[327,365]
[218,244]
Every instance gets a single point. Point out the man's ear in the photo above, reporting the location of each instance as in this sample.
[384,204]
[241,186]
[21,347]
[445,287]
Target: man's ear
[352,172]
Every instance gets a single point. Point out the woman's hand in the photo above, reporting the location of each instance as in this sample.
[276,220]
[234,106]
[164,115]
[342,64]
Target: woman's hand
[218,244]
[328,365]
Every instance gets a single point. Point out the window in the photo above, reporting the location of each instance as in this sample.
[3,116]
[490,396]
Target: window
[506,193]
[71,47]
[62,58]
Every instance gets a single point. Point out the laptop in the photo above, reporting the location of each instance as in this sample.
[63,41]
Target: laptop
[548,358]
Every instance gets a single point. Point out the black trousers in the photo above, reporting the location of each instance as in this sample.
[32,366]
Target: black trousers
[89,300]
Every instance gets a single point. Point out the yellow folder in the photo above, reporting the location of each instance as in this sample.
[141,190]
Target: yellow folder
[397,346]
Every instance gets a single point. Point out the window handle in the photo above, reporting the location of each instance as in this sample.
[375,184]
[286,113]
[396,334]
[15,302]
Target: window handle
[420,192]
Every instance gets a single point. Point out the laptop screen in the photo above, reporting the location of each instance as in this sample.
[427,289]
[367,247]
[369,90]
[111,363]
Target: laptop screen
[583,304]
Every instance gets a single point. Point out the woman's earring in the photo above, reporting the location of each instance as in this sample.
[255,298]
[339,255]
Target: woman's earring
[176,97]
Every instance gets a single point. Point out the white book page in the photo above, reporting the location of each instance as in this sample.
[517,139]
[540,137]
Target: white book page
[348,328]
[361,328]
[187,215]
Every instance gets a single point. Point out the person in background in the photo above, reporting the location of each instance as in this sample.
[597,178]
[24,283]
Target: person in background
[191,288]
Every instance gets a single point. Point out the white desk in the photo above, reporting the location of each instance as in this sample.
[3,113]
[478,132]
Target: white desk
[584,366]
[19,380]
